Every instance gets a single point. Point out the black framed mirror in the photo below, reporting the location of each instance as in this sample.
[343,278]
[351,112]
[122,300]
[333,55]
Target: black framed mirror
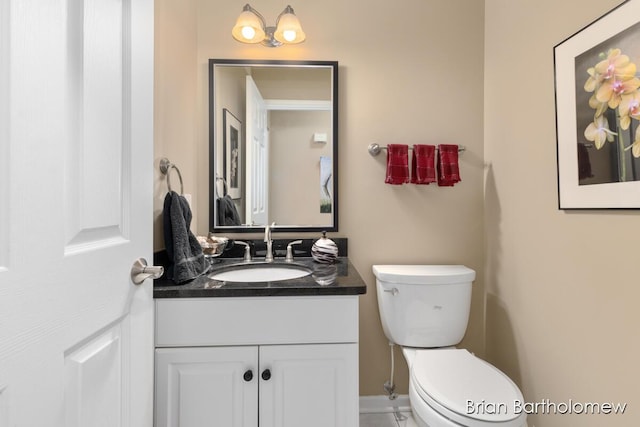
[273,145]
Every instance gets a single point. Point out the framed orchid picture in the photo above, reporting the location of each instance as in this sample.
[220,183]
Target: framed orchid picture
[597,88]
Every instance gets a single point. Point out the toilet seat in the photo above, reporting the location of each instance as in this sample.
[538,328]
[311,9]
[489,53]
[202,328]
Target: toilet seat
[464,389]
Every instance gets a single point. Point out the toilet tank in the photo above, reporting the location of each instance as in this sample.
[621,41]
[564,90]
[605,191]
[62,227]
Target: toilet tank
[424,305]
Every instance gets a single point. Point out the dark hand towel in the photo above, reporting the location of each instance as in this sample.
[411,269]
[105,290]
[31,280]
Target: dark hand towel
[227,212]
[423,169]
[397,164]
[448,171]
[185,253]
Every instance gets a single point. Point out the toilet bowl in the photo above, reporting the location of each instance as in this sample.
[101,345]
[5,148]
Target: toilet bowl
[425,309]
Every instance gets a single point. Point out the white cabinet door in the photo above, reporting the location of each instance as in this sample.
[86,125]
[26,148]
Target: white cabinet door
[309,385]
[207,386]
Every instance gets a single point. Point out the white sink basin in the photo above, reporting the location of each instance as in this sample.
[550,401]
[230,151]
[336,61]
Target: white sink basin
[263,273]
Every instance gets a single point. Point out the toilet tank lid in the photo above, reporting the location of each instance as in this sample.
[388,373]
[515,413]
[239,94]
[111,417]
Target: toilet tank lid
[424,274]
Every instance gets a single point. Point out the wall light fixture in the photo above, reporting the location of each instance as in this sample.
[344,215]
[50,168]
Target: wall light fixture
[251,27]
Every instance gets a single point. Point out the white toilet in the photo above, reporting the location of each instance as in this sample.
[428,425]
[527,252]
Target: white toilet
[425,309]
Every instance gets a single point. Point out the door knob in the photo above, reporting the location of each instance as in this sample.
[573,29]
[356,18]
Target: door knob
[266,375]
[140,271]
[248,375]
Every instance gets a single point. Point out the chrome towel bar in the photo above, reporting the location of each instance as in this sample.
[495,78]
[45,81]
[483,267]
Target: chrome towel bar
[374,148]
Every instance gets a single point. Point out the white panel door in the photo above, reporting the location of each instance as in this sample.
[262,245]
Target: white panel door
[313,385]
[257,160]
[76,165]
[207,387]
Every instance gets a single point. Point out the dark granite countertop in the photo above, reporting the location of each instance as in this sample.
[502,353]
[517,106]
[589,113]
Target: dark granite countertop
[340,278]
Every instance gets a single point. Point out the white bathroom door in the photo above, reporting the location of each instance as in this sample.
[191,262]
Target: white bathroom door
[76,165]
[257,181]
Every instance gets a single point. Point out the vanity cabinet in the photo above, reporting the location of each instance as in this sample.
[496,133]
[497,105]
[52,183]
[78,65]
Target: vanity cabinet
[267,361]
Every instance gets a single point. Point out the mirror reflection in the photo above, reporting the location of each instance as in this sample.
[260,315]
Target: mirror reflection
[273,145]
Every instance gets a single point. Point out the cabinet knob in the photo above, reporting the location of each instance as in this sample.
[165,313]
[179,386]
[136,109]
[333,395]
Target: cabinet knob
[266,375]
[248,376]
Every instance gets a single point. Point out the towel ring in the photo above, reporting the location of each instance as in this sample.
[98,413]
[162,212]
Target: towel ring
[165,168]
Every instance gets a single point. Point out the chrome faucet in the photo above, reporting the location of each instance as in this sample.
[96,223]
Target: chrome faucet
[269,242]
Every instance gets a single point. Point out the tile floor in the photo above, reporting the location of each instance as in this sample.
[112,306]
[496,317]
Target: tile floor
[387,419]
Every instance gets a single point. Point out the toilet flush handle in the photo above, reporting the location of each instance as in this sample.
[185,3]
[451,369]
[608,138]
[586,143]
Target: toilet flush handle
[393,291]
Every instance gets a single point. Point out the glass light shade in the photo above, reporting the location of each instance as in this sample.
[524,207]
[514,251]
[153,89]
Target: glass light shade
[289,29]
[248,24]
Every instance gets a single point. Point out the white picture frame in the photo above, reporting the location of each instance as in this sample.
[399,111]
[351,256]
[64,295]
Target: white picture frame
[577,84]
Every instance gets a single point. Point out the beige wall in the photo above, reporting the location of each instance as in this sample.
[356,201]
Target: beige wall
[175,114]
[562,287]
[404,78]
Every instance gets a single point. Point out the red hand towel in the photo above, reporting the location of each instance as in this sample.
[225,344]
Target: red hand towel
[397,164]
[448,171]
[423,169]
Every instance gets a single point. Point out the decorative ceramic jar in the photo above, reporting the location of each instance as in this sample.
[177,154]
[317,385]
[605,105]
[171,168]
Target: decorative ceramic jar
[324,250]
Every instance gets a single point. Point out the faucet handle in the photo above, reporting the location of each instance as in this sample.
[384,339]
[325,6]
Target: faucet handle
[289,257]
[247,249]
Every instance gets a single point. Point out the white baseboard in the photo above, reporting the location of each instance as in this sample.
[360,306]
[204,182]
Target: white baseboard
[382,403]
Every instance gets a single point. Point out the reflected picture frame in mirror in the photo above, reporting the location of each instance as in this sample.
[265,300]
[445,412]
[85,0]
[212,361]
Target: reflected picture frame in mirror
[232,154]
[287,147]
